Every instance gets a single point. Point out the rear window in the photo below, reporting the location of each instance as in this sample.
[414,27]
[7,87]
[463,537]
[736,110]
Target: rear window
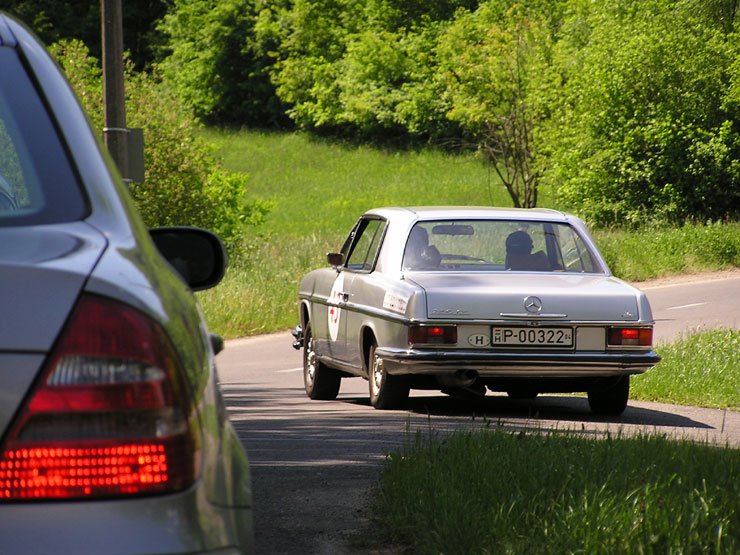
[37,182]
[498,245]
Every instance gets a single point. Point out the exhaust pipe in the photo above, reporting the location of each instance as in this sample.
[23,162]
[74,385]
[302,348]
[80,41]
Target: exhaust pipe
[461,378]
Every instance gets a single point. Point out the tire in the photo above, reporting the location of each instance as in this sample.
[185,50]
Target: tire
[610,400]
[386,391]
[321,382]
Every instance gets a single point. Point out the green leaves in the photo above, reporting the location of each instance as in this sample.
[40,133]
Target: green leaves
[629,110]
[644,87]
[184,184]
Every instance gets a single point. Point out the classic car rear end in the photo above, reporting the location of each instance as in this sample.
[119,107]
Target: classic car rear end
[469,299]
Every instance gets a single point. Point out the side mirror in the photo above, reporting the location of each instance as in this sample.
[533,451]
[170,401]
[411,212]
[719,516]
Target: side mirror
[335,259]
[196,254]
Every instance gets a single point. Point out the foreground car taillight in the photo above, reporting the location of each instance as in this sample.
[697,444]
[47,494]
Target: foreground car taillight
[109,417]
[443,335]
[630,337]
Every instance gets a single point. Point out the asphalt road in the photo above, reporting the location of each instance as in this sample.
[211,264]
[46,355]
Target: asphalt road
[314,463]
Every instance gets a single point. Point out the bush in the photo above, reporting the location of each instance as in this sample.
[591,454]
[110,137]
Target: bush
[219,65]
[645,129]
[184,184]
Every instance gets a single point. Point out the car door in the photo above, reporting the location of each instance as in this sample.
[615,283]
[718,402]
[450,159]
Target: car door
[360,263]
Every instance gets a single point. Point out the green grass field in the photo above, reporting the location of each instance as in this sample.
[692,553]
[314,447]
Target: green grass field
[701,369]
[318,189]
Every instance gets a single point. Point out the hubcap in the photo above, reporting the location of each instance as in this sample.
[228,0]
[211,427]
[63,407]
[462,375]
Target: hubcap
[377,378]
[310,369]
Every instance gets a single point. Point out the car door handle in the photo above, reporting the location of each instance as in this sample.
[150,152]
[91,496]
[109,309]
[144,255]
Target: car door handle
[343,297]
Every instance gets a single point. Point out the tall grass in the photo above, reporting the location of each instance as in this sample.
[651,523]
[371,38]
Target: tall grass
[701,369]
[658,252]
[318,189]
[494,491]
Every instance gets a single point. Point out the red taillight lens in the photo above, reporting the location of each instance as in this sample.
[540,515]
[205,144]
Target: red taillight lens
[432,334]
[631,337]
[109,417]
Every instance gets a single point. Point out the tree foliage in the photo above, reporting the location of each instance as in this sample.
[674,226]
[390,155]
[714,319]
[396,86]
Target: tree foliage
[494,63]
[628,109]
[646,127]
[218,64]
[184,184]
[54,20]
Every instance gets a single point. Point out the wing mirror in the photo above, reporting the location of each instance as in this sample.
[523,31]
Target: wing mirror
[196,254]
[335,259]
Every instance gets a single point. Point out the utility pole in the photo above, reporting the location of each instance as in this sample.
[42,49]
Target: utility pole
[115,132]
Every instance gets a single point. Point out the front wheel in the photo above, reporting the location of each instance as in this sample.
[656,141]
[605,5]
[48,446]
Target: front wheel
[611,400]
[386,391]
[320,381]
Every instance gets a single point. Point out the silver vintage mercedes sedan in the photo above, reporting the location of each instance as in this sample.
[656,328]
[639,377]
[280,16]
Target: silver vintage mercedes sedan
[466,300]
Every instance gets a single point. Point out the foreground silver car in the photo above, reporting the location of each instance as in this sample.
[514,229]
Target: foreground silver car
[113,434]
[469,299]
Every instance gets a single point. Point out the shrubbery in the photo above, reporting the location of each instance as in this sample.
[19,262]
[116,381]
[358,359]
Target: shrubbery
[631,110]
[218,63]
[646,129]
[184,184]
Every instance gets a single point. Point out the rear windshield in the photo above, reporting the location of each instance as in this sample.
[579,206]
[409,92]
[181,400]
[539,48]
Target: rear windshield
[498,245]
[37,182]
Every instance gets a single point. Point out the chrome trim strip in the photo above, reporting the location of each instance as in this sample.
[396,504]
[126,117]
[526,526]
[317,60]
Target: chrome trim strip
[530,316]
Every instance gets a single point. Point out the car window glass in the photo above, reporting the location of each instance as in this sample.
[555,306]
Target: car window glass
[576,257]
[497,245]
[37,183]
[365,246]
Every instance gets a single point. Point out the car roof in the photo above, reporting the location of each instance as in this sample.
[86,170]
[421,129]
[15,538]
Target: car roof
[419,213]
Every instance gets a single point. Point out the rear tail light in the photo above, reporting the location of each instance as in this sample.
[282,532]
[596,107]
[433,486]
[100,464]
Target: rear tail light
[443,335]
[631,337]
[109,417]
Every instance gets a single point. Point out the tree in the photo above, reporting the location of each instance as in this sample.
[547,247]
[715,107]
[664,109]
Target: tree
[219,64]
[493,62]
[645,128]
[54,20]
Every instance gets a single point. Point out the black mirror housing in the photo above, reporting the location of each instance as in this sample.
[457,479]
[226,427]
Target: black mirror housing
[196,254]
[335,259]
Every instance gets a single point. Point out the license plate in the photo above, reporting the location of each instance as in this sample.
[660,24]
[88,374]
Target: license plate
[532,337]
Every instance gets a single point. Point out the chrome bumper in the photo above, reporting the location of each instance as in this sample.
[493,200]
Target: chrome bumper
[516,364]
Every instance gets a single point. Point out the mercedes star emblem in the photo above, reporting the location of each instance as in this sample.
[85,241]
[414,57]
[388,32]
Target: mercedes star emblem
[532,304]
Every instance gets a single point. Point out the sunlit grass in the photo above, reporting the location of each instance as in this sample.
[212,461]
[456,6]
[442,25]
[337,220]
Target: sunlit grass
[700,369]
[495,491]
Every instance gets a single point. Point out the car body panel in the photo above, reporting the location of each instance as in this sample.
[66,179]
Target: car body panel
[108,252]
[33,261]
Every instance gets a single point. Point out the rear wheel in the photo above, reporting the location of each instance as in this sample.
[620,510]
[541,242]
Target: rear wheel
[386,391]
[612,399]
[320,381]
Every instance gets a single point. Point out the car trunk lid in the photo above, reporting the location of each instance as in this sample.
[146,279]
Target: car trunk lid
[496,296]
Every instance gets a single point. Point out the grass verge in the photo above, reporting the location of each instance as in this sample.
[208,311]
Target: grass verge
[700,369]
[493,491]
